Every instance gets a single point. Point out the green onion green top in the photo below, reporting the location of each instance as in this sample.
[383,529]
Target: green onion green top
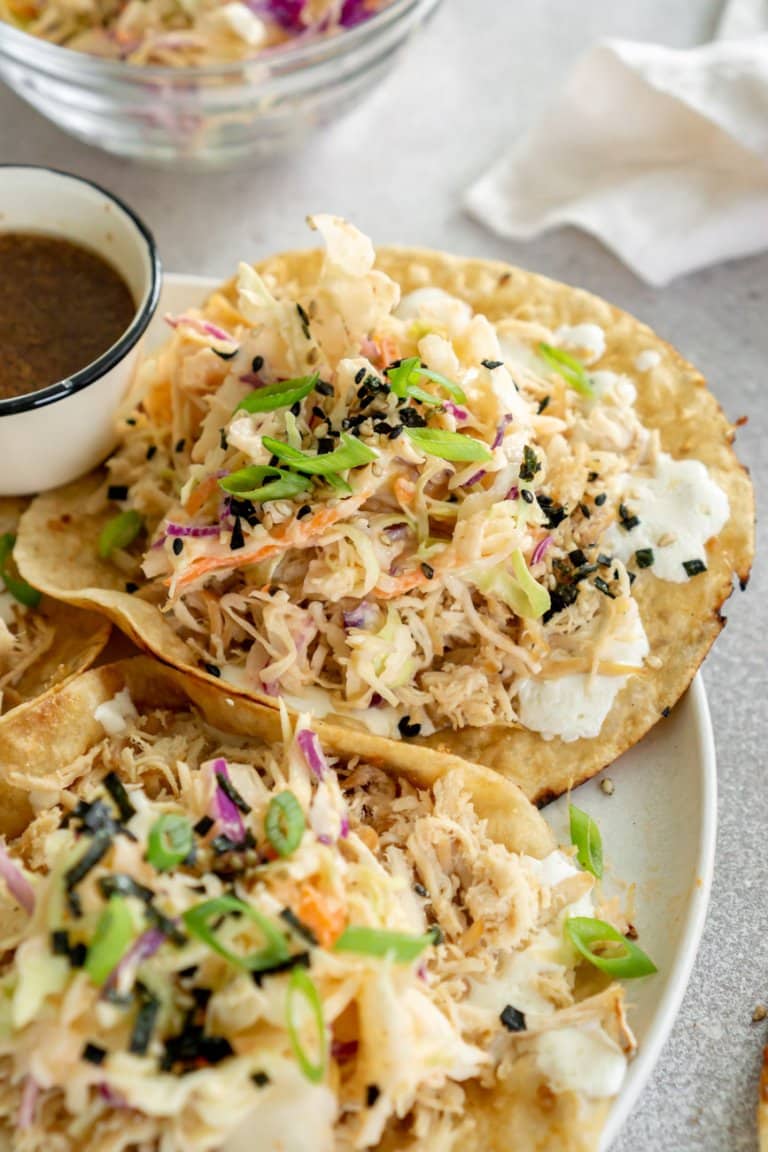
[248,483]
[622,959]
[586,838]
[351,454]
[404,381]
[18,588]
[170,841]
[281,394]
[449,445]
[284,823]
[571,369]
[119,532]
[402,946]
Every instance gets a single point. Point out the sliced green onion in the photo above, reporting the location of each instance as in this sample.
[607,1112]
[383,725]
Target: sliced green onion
[586,933]
[586,838]
[119,532]
[338,484]
[198,921]
[281,394]
[401,946]
[404,381]
[537,596]
[571,369]
[18,588]
[284,823]
[248,483]
[169,842]
[448,445]
[301,984]
[351,454]
[111,940]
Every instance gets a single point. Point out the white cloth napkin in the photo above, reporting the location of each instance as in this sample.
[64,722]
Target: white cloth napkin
[661,154]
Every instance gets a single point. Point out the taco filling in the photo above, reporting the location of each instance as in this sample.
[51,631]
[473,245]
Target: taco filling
[397,511]
[219,937]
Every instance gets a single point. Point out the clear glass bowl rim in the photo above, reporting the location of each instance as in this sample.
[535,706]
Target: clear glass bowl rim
[280,60]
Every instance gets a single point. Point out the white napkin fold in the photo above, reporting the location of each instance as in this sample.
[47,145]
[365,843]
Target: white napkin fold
[661,154]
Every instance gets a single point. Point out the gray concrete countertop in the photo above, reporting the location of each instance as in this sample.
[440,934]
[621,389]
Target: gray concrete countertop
[398,167]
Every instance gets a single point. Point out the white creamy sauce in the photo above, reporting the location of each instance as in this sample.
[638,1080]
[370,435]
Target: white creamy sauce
[680,508]
[647,360]
[381,721]
[612,385]
[288,1116]
[582,1060]
[589,338]
[114,714]
[575,706]
[434,304]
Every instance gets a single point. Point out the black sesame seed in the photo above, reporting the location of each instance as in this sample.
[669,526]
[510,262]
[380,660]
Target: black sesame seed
[151,451]
[382,427]
[257,363]
[513,1019]
[303,511]
[632,577]
[644,557]
[360,376]
[396,431]
[223,443]
[325,444]
[694,567]
[77,955]
[260,1079]
[491,364]
[526,495]
[296,408]
[420,890]
[665,712]
[237,540]
[428,570]
[544,404]
[372,1093]
[60,942]
[177,546]
[585,511]
[117,492]
[412,419]
[213,670]
[131,587]
[131,420]
[407,729]
[592,476]
[274,461]
[318,412]
[600,499]
[324,388]
[94,1054]
[225,355]
[179,445]
[627,519]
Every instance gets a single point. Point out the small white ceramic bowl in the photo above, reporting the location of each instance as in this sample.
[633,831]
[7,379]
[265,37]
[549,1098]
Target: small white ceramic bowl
[51,436]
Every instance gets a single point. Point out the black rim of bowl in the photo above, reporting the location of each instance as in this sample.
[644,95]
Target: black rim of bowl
[98,368]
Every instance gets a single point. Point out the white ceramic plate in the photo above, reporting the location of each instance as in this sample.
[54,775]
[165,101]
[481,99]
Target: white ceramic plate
[658,829]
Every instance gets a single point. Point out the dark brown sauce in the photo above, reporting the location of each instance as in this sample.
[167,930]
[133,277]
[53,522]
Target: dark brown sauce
[61,307]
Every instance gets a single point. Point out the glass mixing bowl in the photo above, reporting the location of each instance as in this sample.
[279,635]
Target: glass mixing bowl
[208,116]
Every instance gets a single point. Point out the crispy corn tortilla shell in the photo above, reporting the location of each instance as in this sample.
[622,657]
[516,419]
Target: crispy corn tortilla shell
[78,638]
[57,546]
[43,750]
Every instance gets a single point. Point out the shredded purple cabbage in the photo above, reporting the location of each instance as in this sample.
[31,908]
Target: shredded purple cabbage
[513,493]
[361,616]
[456,412]
[145,946]
[173,529]
[28,1105]
[225,810]
[16,882]
[540,549]
[474,479]
[312,752]
[506,421]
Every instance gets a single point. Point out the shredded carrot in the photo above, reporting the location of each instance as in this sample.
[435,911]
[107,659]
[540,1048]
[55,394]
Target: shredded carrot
[293,534]
[198,496]
[158,404]
[325,914]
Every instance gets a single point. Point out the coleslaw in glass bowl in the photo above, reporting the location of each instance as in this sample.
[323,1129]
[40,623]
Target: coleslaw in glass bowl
[213,113]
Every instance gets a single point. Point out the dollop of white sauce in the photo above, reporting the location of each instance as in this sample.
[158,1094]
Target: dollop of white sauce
[114,714]
[647,360]
[9,607]
[288,1116]
[436,305]
[589,338]
[613,385]
[574,707]
[680,508]
[584,1060]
